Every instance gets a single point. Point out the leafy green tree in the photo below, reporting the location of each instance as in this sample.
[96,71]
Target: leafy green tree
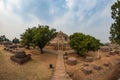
[27,37]
[115,27]
[15,40]
[83,43]
[3,38]
[38,36]
[43,35]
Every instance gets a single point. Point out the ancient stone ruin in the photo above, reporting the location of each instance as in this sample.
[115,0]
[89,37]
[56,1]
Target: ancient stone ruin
[87,70]
[89,59]
[105,48]
[72,61]
[10,47]
[97,67]
[20,57]
[60,42]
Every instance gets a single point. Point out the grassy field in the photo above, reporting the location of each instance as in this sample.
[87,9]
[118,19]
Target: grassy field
[36,69]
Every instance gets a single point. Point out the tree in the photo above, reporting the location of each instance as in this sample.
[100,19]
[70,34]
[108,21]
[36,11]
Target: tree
[115,27]
[83,43]
[27,37]
[15,40]
[43,36]
[38,36]
[3,38]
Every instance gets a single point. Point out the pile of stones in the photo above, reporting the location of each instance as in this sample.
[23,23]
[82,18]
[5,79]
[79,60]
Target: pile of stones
[88,69]
[105,48]
[10,48]
[20,57]
[114,52]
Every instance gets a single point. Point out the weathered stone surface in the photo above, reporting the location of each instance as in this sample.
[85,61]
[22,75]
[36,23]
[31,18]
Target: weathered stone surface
[13,51]
[89,59]
[97,67]
[20,46]
[10,50]
[85,64]
[72,61]
[87,70]
[20,60]
[12,46]
[107,55]
[20,57]
[117,61]
[65,57]
[7,49]
[112,52]
[98,57]
[105,48]
[107,64]
[117,51]
[20,54]
[7,43]
[66,54]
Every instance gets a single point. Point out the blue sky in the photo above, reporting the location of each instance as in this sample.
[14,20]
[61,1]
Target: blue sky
[91,17]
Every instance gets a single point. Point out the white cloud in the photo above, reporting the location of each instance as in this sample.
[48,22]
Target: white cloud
[17,3]
[11,24]
[1,6]
[97,25]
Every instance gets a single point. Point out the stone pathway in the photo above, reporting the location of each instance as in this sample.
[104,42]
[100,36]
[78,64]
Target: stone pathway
[60,73]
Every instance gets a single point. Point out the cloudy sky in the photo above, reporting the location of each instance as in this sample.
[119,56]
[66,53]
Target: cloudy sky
[91,17]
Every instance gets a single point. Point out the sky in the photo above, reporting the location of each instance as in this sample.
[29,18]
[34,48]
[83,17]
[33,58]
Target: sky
[91,17]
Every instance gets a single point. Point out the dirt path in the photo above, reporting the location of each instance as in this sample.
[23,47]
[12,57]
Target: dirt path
[60,73]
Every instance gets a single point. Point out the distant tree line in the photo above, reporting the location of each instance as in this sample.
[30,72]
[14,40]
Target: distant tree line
[3,38]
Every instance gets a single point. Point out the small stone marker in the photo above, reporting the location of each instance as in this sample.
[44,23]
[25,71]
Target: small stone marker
[65,57]
[85,64]
[112,53]
[97,67]
[107,64]
[87,70]
[89,59]
[72,61]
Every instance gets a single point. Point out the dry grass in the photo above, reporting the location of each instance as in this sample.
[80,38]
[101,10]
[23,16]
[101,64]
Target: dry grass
[36,69]
[104,73]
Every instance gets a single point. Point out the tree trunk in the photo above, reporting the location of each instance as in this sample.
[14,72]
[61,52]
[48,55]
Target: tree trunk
[41,49]
[27,46]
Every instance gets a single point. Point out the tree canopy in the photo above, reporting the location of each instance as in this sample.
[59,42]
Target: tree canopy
[38,36]
[3,38]
[27,36]
[83,43]
[115,27]
[15,40]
